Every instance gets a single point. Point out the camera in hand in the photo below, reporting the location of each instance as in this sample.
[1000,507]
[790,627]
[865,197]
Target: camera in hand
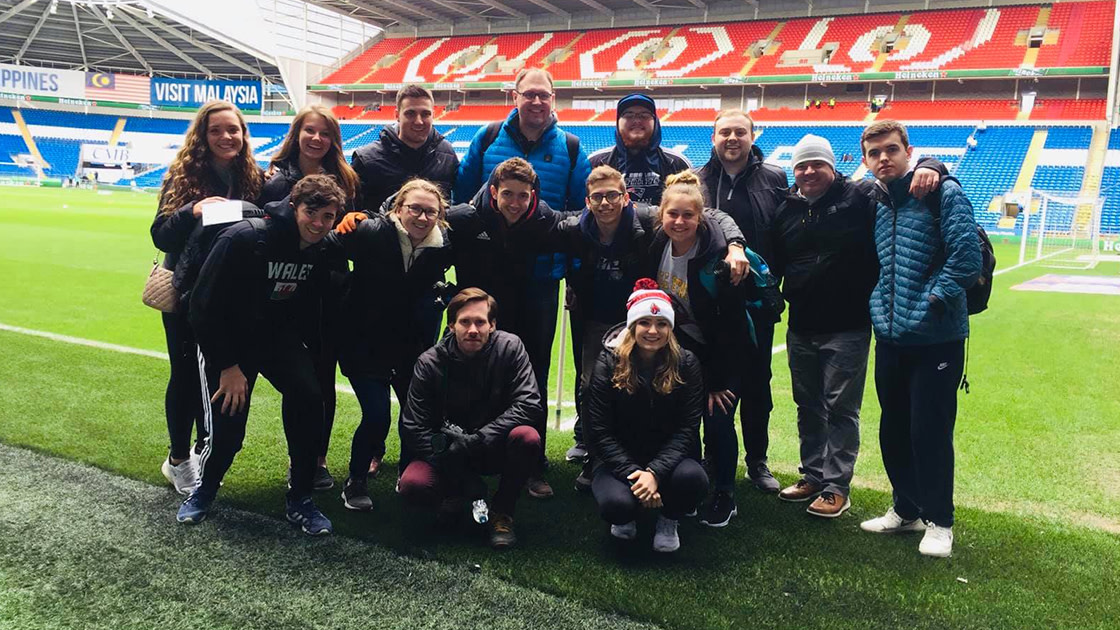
[444,292]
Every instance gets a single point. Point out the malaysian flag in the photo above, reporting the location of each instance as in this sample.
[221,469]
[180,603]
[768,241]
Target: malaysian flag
[122,88]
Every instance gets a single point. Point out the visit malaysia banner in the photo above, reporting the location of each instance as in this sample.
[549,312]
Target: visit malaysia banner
[192,93]
[42,81]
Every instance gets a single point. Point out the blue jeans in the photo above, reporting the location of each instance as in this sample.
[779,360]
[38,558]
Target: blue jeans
[369,438]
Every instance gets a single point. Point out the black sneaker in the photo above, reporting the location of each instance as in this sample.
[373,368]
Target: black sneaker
[719,511]
[322,480]
[583,481]
[355,495]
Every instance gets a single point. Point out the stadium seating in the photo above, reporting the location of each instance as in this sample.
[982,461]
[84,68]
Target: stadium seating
[950,110]
[1069,109]
[848,112]
[947,39]
[987,170]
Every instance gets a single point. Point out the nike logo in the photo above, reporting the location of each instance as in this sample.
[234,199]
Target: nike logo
[483,236]
[942,366]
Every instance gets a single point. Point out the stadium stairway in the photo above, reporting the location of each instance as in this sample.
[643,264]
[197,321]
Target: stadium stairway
[117,130]
[1094,171]
[17,116]
[1031,56]
[1030,163]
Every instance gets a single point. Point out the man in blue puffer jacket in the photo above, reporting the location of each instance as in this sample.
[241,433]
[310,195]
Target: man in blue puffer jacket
[530,132]
[920,317]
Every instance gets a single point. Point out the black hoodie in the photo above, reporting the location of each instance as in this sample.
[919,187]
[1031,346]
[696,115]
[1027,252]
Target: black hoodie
[751,197]
[385,165]
[483,259]
[254,285]
[645,171]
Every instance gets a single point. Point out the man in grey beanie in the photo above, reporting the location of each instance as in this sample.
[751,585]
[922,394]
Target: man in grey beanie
[824,250]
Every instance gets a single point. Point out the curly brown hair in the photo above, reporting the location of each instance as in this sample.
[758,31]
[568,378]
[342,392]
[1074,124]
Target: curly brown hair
[334,162]
[186,177]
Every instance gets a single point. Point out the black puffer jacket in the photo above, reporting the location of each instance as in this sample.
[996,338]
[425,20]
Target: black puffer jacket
[718,329]
[825,251]
[748,197]
[394,309]
[628,432]
[383,166]
[487,395]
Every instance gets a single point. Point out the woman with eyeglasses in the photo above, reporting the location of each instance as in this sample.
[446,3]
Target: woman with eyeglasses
[399,257]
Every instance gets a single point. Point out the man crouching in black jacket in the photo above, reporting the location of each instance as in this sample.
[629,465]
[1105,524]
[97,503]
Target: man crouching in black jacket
[259,281]
[472,408]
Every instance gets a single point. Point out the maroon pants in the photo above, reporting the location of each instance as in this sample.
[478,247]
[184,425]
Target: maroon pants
[516,460]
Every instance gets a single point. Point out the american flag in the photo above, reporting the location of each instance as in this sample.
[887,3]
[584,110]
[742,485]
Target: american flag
[122,88]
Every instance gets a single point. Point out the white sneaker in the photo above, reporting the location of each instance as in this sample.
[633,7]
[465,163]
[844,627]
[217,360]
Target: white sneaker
[183,477]
[938,541]
[892,523]
[626,531]
[665,537]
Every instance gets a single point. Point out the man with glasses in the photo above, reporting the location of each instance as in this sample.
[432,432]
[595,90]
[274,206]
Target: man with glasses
[531,132]
[409,149]
[637,152]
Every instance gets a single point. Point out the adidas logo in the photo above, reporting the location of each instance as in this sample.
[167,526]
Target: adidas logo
[483,236]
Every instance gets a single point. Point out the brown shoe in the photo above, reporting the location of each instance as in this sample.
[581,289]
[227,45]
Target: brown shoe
[501,531]
[374,468]
[829,505]
[803,490]
[539,488]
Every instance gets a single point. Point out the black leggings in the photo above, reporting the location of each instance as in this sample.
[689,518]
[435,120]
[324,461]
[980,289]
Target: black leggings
[680,494]
[183,400]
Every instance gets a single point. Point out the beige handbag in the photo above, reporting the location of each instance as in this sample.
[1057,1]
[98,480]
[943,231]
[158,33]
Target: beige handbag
[159,292]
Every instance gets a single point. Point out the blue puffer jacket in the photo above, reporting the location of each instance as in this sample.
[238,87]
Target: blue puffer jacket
[562,186]
[923,262]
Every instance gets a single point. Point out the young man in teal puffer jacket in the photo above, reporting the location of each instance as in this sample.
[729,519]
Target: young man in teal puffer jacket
[920,317]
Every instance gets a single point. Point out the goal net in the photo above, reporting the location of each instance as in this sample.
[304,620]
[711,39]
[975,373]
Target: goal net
[1061,232]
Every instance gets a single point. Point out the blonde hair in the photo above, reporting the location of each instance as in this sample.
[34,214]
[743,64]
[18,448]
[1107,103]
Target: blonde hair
[422,185]
[186,176]
[334,162]
[667,361]
[685,184]
[604,173]
[736,112]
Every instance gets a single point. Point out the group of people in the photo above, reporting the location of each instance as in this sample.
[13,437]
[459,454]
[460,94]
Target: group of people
[676,278]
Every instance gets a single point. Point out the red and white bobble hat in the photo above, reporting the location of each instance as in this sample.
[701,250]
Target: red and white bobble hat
[648,300]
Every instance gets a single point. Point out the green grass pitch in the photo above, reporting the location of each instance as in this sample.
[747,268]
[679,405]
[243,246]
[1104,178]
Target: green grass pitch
[1038,472]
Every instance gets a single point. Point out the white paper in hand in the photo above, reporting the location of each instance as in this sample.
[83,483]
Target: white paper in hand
[220,212]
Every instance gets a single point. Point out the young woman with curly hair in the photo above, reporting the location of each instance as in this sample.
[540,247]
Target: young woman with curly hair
[215,163]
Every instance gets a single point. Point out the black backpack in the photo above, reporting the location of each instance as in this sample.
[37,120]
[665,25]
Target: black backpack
[979,293]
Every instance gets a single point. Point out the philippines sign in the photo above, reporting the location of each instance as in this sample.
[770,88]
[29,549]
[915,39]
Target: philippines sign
[42,81]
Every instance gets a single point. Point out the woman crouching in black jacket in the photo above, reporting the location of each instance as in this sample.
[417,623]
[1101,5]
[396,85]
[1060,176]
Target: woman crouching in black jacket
[642,414]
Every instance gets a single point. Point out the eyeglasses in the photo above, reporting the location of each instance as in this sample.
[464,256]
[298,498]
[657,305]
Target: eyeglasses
[611,197]
[418,211]
[532,96]
[638,116]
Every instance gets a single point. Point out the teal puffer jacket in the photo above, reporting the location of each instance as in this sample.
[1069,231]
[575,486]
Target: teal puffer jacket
[925,265]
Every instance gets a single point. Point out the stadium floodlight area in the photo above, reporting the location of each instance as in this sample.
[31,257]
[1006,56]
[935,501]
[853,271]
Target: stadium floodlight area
[1061,232]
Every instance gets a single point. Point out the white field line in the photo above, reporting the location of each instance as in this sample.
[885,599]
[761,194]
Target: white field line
[112,347]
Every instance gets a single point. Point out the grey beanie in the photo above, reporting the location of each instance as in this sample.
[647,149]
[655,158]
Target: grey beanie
[812,148]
